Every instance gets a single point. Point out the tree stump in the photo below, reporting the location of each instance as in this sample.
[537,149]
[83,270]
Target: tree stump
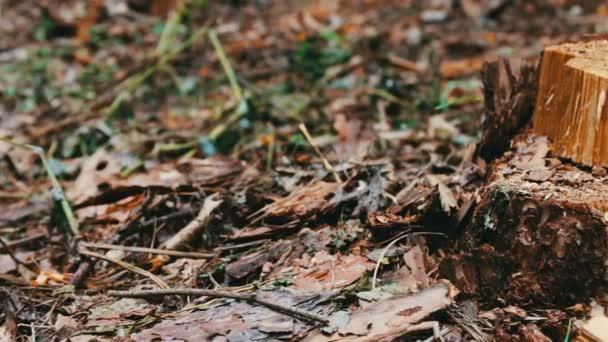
[571,104]
[538,234]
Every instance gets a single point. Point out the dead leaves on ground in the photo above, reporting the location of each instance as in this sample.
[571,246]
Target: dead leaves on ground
[324,272]
[391,318]
[305,203]
[237,321]
[100,176]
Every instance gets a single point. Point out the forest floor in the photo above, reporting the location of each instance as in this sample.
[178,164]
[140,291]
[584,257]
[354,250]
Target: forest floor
[301,170]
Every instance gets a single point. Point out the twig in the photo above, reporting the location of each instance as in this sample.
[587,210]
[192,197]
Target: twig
[241,245]
[136,249]
[127,266]
[326,163]
[15,243]
[251,298]
[57,192]
[83,270]
[189,231]
[182,213]
[404,64]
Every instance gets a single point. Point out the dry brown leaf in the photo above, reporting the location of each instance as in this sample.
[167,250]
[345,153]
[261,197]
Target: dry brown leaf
[328,272]
[351,144]
[121,312]
[388,319]
[252,263]
[446,196]
[412,276]
[101,173]
[531,153]
[237,321]
[304,202]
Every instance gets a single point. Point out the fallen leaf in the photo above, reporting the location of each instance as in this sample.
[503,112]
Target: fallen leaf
[531,153]
[252,263]
[230,320]
[100,174]
[122,312]
[328,272]
[413,276]
[448,201]
[391,318]
[305,202]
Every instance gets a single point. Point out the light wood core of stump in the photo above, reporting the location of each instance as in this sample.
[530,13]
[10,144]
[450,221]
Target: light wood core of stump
[571,104]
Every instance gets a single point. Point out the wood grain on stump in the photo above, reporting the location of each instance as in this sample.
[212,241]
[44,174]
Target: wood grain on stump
[571,104]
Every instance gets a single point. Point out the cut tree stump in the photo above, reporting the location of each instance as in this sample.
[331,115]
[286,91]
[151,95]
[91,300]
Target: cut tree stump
[571,104]
[538,234]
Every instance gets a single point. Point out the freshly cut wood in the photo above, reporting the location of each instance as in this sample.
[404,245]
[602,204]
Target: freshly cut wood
[538,234]
[571,103]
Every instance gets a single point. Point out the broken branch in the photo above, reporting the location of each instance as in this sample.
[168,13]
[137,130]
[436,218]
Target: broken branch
[191,229]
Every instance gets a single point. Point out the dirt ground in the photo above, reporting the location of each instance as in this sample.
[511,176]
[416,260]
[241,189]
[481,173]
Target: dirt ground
[290,170]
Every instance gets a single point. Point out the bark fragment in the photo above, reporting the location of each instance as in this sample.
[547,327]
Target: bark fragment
[509,101]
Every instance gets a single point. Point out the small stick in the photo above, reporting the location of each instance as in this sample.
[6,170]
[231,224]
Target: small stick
[326,163]
[241,245]
[136,249]
[251,298]
[127,266]
[18,242]
[187,233]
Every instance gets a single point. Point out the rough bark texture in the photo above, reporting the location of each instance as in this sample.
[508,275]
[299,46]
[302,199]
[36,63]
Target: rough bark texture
[538,233]
[509,102]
